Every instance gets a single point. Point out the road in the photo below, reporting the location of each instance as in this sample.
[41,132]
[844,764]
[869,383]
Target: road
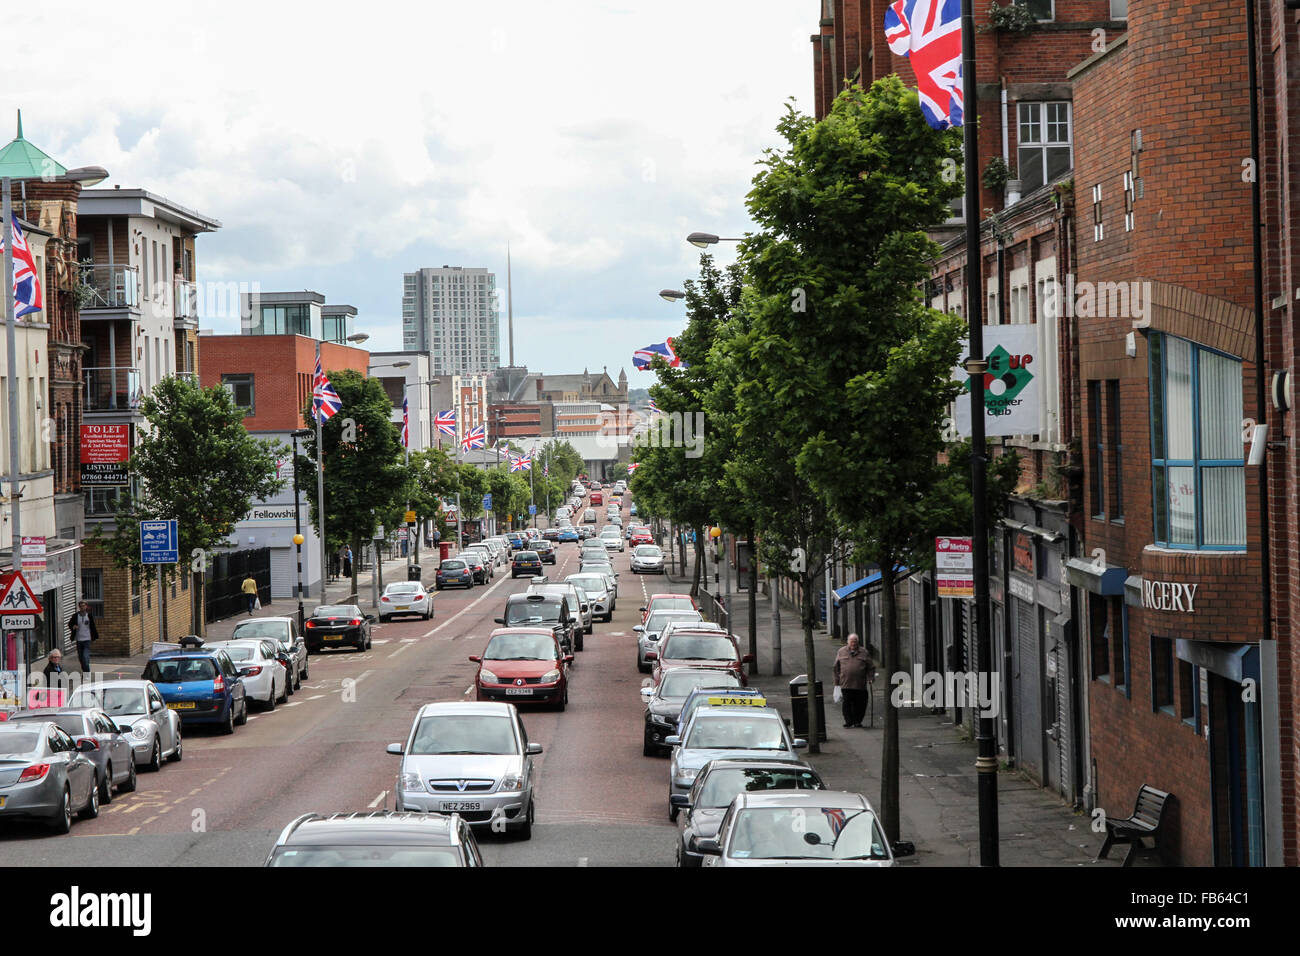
[599,801]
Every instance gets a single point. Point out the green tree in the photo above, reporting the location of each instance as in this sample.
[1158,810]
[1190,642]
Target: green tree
[430,477]
[198,464]
[365,475]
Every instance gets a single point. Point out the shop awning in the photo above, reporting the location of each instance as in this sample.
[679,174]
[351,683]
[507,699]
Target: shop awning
[855,589]
[1236,662]
[1106,580]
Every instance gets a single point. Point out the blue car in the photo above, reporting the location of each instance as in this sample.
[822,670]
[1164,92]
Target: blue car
[203,687]
[633,510]
[567,534]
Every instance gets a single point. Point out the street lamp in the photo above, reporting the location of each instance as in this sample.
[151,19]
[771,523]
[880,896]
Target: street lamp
[671,295]
[303,433]
[356,338]
[703,240]
[407,447]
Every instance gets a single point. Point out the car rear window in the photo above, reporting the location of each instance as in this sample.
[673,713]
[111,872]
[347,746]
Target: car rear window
[12,742]
[525,555]
[348,856]
[679,683]
[275,630]
[181,670]
[450,565]
[533,612]
[724,784]
[240,653]
[337,610]
[699,646]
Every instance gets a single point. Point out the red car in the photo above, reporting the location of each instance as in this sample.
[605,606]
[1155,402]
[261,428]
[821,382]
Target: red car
[668,602]
[641,536]
[703,649]
[523,665]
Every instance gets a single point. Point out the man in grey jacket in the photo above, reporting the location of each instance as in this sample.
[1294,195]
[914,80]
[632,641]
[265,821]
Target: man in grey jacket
[854,673]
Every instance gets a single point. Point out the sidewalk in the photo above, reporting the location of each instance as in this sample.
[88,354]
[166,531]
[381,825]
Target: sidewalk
[937,785]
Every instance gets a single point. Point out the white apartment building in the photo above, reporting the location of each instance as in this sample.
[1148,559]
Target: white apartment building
[412,383]
[452,313]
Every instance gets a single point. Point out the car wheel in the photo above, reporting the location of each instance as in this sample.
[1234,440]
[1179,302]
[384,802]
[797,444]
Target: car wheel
[128,786]
[179,754]
[643,668]
[229,726]
[243,713]
[155,759]
[288,688]
[268,705]
[62,819]
[304,674]
[382,619]
[678,859]
[370,642]
[91,809]
[525,830]
[106,785]
[578,642]
[297,679]
[647,748]
[673,812]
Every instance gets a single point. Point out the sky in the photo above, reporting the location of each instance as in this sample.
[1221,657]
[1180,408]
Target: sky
[341,145]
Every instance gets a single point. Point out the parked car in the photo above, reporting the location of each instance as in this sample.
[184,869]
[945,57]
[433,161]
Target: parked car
[45,774]
[405,597]
[668,602]
[137,706]
[336,625]
[545,550]
[265,679]
[284,631]
[648,559]
[376,838]
[580,608]
[699,648]
[718,694]
[663,704]
[202,686]
[453,571]
[112,753]
[472,759]
[523,666]
[648,634]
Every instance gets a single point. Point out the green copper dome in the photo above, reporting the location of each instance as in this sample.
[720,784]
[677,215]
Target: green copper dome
[21,160]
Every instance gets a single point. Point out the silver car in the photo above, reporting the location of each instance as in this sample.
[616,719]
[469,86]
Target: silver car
[473,759]
[648,633]
[265,680]
[600,594]
[45,774]
[576,600]
[715,732]
[612,539]
[648,559]
[112,755]
[284,630]
[798,828]
[405,597]
[139,705]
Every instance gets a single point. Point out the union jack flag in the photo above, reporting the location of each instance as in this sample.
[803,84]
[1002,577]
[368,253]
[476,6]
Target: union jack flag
[522,462]
[27,284]
[642,358]
[445,422]
[325,402]
[406,425]
[546,469]
[928,32]
[836,817]
[475,438]
[633,467]
[653,407]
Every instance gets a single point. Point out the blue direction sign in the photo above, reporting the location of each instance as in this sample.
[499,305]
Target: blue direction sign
[532,509]
[159,542]
[487,502]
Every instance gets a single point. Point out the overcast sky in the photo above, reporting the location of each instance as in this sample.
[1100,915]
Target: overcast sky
[341,145]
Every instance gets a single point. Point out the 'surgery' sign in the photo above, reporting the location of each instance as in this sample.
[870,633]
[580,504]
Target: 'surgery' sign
[1169,596]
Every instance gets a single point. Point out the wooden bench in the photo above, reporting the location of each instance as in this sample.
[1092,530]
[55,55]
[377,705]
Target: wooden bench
[1148,815]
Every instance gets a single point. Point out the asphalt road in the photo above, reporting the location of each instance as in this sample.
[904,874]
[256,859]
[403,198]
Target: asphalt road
[599,801]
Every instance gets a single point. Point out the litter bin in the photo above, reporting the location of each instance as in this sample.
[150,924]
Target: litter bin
[799,708]
[412,572]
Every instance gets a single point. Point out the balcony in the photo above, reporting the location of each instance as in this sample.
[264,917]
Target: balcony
[185,299]
[112,390]
[105,289]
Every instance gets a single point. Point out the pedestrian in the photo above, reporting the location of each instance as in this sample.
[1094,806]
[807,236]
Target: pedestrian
[249,587]
[81,627]
[347,561]
[54,669]
[854,673]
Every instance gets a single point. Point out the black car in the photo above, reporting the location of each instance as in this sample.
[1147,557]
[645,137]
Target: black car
[720,781]
[478,565]
[545,550]
[334,625]
[527,563]
[377,838]
[454,571]
[541,610]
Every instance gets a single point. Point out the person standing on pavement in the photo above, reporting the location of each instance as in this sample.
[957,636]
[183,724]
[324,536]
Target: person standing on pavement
[347,561]
[249,587]
[81,627]
[854,673]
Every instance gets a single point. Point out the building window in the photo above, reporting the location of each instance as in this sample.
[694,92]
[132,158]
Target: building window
[1162,675]
[1119,9]
[101,501]
[1198,478]
[1189,697]
[1097,485]
[92,590]
[283,320]
[1098,230]
[1043,152]
[1099,624]
[1122,662]
[1116,438]
[1041,9]
[240,387]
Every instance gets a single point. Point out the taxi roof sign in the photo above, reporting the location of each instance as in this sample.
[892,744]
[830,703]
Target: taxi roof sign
[16,596]
[740,701]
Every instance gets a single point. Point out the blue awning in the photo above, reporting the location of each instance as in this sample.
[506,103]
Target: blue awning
[849,590]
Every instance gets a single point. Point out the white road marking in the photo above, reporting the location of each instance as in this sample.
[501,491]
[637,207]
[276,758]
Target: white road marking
[316,697]
[293,703]
[618,633]
[469,690]
[252,717]
[582,861]
[380,640]
[467,607]
[378,800]
[409,640]
[404,647]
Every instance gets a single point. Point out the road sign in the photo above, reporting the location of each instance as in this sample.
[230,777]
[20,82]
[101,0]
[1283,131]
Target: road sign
[532,509]
[159,541]
[17,596]
[33,553]
[20,622]
[487,502]
[410,517]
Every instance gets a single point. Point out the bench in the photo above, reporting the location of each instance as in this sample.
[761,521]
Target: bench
[1148,815]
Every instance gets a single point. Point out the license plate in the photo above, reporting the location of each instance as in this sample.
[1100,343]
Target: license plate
[334,637]
[2,801]
[183,705]
[404,607]
[451,806]
[518,691]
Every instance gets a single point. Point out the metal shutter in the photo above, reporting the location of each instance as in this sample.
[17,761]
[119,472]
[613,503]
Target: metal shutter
[1028,691]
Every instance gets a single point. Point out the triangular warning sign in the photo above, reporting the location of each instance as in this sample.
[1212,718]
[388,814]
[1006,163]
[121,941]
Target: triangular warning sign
[17,596]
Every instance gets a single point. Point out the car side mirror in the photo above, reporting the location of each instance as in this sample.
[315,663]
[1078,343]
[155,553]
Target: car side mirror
[800,743]
[568,658]
[157,705]
[370,617]
[680,800]
[639,628]
[125,729]
[533,749]
[86,746]
[476,659]
[706,845]
[641,609]
[904,848]
[395,749]
[647,692]
[673,740]
[747,659]
[499,620]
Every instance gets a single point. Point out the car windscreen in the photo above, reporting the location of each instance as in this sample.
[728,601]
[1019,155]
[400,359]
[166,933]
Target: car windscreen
[115,701]
[735,733]
[721,786]
[337,610]
[441,856]
[464,734]
[656,621]
[274,630]
[591,583]
[679,683]
[796,833]
[699,647]
[180,670]
[532,612]
[450,565]
[13,742]
[520,647]
[647,551]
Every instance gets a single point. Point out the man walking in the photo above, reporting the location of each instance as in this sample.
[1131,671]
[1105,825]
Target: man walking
[81,628]
[854,673]
[249,587]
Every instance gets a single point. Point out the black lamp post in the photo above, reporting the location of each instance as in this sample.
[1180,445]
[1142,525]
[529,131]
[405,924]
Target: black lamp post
[297,523]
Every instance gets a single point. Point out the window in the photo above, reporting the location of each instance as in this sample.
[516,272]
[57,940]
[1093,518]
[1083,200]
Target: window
[1096,487]
[1043,153]
[1162,675]
[240,387]
[1119,9]
[101,501]
[284,320]
[1189,696]
[1098,229]
[1099,624]
[1198,478]
[1041,9]
[1116,439]
[1119,621]
[92,590]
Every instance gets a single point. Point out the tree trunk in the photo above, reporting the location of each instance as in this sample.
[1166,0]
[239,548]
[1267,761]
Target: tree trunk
[889,665]
[753,602]
[357,558]
[808,580]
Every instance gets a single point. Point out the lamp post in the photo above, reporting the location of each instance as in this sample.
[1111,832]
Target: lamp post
[298,539]
[87,176]
[356,339]
[702,240]
[406,444]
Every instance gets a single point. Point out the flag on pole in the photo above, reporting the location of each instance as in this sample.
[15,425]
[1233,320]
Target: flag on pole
[522,462]
[546,469]
[928,32]
[27,284]
[446,421]
[325,401]
[653,407]
[406,425]
[642,358]
[475,438]
[633,466]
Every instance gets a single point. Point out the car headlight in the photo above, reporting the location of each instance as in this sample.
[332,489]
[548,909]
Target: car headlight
[550,677]
[410,781]
[512,781]
[686,773]
[487,677]
[661,719]
[140,730]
